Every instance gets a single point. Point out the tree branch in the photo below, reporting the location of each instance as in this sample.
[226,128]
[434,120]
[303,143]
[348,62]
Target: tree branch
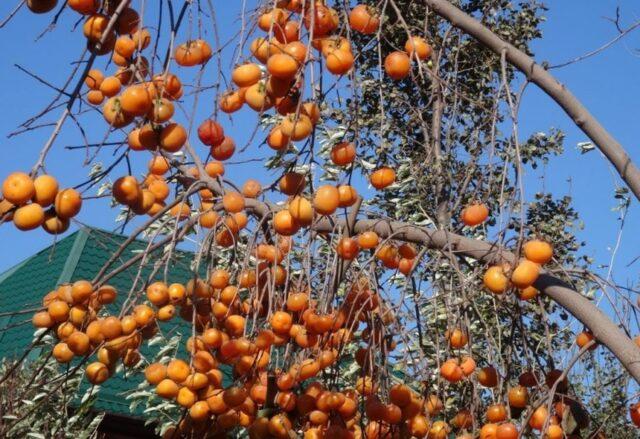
[535,73]
[602,327]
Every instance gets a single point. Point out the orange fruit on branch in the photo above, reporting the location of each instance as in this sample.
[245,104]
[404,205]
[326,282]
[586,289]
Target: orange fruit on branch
[94,27]
[95,97]
[538,251]
[488,376]
[297,51]
[301,210]
[46,189]
[259,48]
[457,338]
[113,114]
[257,97]
[292,183]
[347,195]
[272,18]
[339,62]
[364,19]
[525,274]
[205,49]
[188,54]
[418,46]
[158,165]
[233,202]
[539,418]
[282,65]
[62,353]
[528,293]
[368,240]
[634,413]
[276,139]
[28,217]
[495,280]
[125,48]
[296,128]
[326,199]
[224,150]
[97,373]
[211,133]
[518,397]
[451,371]
[137,100]
[397,65]
[496,413]
[93,79]
[343,154]
[348,248]
[161,111]
[382,177]
[251,188]
[126,190]
[246,74]
[18,188]
[475,214]
[584,338]
[507,431]
[285,224]
[110,86]
[173,137]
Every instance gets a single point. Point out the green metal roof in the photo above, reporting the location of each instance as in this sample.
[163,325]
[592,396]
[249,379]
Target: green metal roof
[78,256]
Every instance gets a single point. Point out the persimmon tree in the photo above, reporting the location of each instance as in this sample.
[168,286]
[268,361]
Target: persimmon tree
[392,280]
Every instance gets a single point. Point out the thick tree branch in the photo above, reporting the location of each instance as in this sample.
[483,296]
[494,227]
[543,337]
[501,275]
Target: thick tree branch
[535,73]
[603,328]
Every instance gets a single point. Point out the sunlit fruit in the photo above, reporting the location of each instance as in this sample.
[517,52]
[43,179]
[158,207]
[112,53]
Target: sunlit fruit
[246,74]
[97,373]
[518,397]
[173,137]
[475,214]
[18,188]
[507,431]
[539,418]
[296,127]
[584,338]
[397,65]
[28,217]
[418,47]
[284,223]
[364,19]
[382,177]
[326,199]
[495,280]
[343,154]
[525,274]
[282,66]
[538,251]
[46,189]
[339,62]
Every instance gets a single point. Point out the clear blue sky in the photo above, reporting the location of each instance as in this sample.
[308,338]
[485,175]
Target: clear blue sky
[606,83]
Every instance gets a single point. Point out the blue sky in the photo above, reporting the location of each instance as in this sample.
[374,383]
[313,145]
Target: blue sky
[606,83]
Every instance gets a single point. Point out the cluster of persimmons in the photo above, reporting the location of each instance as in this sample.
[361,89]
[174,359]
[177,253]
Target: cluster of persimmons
[24,200]
[281,343]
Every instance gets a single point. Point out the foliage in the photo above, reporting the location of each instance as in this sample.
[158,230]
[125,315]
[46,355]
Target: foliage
[39,400]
